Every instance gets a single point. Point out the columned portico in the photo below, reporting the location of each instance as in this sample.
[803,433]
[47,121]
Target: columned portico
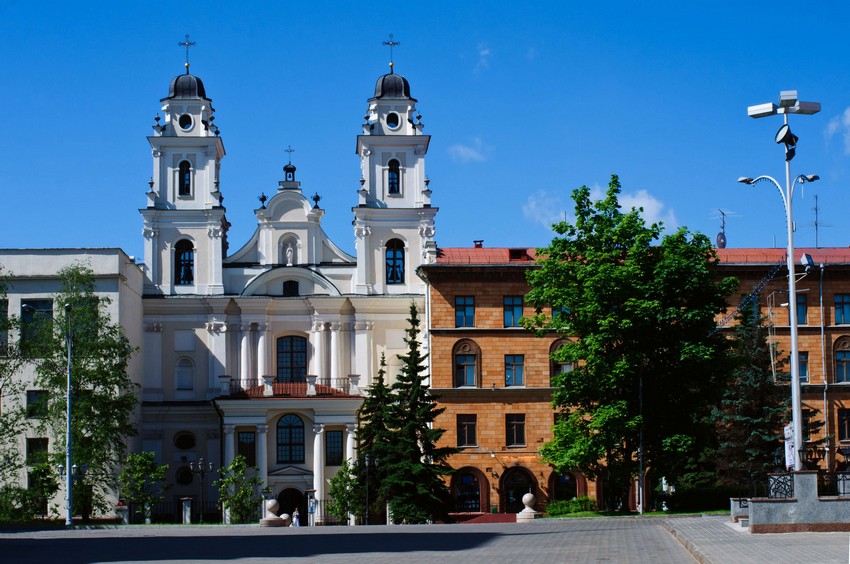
[229,444]
[319,463]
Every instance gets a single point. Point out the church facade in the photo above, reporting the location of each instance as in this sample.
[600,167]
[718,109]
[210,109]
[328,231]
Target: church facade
[264,351]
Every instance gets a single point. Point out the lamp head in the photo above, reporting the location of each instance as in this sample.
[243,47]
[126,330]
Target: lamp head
[746,180]
[809,177]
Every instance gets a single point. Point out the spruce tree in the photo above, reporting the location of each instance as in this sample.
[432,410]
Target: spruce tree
[753,410]
[413,483]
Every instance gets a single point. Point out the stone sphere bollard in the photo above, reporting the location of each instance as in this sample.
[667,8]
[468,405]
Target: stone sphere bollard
[528,501]
[527,514]
[272,506]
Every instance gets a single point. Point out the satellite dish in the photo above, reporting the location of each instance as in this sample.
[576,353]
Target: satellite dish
[721,240]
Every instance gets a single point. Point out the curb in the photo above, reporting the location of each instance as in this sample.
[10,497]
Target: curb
[685,542]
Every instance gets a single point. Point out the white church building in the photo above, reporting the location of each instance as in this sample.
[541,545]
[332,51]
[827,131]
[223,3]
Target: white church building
[266,349]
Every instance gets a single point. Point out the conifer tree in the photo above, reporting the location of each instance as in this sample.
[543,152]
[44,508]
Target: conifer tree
[753,410]
[414,482]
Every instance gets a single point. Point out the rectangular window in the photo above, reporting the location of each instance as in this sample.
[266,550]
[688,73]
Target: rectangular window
[36,321]
[464,311]
[515,429]
[4,327]
[810,425]
[802,309]
[514,370]
[36,451]
[464,370]
[842,366]
[466,431]
[844,424]
[247,446]
[842,309]
[803,357]
[512,306]
[36,404]
[333,448]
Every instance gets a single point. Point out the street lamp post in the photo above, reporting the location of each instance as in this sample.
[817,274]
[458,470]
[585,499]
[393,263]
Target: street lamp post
[788,104]
[201,469]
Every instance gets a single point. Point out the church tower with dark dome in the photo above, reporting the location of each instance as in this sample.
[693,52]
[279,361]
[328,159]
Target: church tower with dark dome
[184,223]
[394,220]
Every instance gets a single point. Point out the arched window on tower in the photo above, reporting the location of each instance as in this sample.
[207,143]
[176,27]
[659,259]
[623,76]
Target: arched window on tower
[393,177]
[184,374]
[184,179]
[395,262]
[184,263]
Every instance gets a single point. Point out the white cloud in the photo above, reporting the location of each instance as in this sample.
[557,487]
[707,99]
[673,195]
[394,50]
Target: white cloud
[543,208]
[469,153]
[653,208]
[483,57]
[840,125]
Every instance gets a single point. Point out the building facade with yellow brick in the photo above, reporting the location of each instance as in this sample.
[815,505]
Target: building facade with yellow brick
[493,379]
[823,324]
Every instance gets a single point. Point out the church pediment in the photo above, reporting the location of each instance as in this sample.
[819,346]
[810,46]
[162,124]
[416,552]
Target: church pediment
[288,206]
[291,472]
[307,282]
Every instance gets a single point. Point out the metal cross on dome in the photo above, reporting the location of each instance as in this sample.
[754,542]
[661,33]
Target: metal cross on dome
[390,43]
[187,44]
[290,150]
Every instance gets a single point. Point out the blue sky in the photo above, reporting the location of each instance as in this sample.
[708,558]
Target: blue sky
[524,103]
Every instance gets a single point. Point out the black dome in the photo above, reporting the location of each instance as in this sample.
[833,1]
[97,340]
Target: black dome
[392,86]
[186,86]
[289,168]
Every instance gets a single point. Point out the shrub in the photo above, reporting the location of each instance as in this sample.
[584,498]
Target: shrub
[568,506]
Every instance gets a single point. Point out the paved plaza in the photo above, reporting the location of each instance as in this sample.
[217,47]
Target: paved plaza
[627,539]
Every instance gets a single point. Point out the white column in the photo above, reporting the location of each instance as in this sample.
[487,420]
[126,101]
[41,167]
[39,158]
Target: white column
[229,444]
[317,359]
[319,466]
[262,353]
[350,443]
[363,352]
[263,453]
[245,355]
[334,371]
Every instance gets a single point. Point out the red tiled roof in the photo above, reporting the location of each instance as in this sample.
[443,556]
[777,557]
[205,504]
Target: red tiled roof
[825,255]
[484,255]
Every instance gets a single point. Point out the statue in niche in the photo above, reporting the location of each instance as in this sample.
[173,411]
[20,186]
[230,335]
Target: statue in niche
[289,252]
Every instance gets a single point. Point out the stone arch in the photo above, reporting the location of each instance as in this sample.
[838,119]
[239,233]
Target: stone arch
[516,481]
[470,490]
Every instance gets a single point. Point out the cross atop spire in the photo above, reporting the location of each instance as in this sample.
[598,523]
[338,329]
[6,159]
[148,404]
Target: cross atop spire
[188,44]
[390,43]
[290,150]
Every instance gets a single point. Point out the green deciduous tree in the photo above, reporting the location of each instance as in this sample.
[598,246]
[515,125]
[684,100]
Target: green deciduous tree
[646,358]
[754,407]
[103,397]
[12,415]
[143,481]
[239,490]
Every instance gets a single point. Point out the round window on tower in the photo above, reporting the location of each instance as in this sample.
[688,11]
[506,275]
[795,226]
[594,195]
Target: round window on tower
[184,440]
[185,122]
[393,120]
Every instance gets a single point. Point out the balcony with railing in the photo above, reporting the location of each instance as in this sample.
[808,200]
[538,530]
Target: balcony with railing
[310,387]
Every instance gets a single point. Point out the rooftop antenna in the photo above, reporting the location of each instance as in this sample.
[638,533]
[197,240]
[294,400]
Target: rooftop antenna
[721,237]
[817,224]
[390,43]
[187,44]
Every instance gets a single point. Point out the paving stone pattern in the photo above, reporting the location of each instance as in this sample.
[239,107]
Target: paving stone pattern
[626,540]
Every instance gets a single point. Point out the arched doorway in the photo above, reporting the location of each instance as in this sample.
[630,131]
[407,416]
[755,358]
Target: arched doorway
[289,499]
[470,490]
[564,486]
[516,482]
